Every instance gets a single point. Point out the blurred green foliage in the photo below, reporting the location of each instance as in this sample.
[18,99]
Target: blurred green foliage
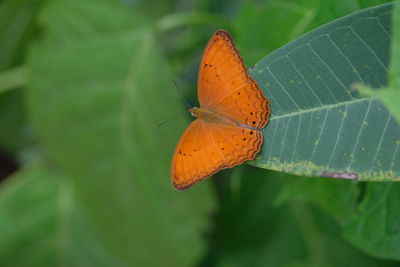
[87,83]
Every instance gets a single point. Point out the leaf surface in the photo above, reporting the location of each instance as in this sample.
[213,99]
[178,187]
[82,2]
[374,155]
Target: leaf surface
[319,125]
[292,234]
[41,220]
[375,227]
[99,89]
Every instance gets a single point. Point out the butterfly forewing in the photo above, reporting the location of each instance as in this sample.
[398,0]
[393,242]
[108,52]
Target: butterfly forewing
[225,86]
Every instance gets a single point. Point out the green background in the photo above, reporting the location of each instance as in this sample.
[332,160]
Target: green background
[85,168]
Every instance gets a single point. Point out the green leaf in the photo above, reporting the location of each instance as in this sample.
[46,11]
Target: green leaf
[13,121]
[339,198]
[291,17]
[17,29]
[27,222]
[394,75]
[40,219]
[391,96]
[98,89]
[12,79]
[319,126]
[252,231]
[375,227]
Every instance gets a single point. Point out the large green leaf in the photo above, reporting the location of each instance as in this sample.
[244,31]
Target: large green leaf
[391,96]
[252,231]
[338,197]
[395,60]
[291,17]
[12,120]
[375,227]
[371,226]
[17,29]
[98,89]
[41,220]
[319,126]
[27,221]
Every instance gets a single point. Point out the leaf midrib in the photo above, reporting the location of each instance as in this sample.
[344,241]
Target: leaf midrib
[324,107]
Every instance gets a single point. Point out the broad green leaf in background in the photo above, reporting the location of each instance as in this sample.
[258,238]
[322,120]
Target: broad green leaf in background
[17,29]
[291,17]
[340,198]
[12,120]
[293,234]
[98,89]
[41,221]
[27,218]
[249,205]
[375,227]
[319,126]
[371,226]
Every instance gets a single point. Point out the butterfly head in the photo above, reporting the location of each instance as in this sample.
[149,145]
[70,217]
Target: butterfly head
[194,111]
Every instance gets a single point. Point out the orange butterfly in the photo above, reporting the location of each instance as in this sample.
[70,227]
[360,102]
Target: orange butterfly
[232,113]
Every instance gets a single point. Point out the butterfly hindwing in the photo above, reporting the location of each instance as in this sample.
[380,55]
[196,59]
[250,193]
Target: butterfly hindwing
[195,157]
[206,148]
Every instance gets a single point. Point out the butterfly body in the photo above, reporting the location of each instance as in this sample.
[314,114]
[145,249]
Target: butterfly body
[211,116]
[233,111]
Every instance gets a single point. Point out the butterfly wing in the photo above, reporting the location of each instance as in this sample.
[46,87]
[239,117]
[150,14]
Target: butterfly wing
[225,86]
[206,148]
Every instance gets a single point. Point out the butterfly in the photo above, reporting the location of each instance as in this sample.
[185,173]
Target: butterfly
[232,113]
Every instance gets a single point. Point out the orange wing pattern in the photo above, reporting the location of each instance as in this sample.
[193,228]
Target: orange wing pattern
[206,148]
[225,86]
[226,94]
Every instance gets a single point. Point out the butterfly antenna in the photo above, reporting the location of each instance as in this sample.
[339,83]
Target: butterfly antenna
[186,102]
[182,95]
[171,119]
